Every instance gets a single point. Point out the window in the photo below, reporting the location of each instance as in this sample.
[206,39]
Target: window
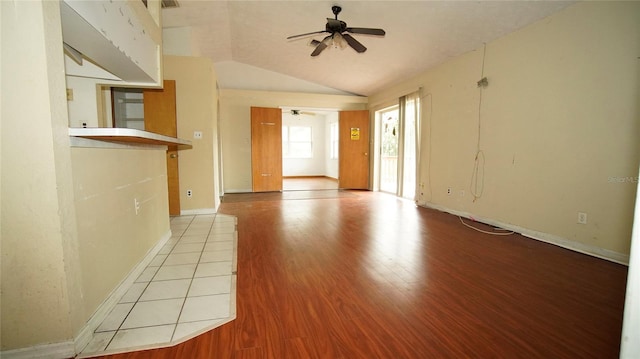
[296,142]
[333,138]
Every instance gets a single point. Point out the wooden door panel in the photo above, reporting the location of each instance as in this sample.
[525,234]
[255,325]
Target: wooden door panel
[160,109]
[160,117]
[353,160]
[266,149]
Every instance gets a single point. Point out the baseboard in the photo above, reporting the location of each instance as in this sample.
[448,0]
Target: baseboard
[86,333]
[236,190]
[193,212]
[597,252]
[44,351]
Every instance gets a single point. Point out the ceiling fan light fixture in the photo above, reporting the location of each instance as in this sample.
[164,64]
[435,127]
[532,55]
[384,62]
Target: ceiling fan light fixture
[339,41]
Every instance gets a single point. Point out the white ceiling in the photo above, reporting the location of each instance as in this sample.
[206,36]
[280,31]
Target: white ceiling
[247,39]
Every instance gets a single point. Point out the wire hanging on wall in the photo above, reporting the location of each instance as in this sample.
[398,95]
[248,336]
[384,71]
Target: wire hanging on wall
[477,176]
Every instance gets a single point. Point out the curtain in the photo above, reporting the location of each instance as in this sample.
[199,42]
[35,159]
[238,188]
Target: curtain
[408,145]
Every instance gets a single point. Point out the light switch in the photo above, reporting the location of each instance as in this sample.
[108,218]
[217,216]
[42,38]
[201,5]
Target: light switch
[197,134]
[69,94]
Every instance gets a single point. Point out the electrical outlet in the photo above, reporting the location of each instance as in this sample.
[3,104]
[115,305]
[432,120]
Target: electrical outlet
[582,218]
[197,135]
[136,205]
[448,190]
[189,193]
[69,94]
[461,193]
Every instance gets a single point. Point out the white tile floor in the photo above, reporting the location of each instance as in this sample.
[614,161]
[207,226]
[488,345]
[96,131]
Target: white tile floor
[187,289]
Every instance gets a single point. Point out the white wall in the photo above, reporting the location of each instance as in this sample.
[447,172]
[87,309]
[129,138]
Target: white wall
[331,164]
[559,128]
[630,346]
[314,166]
[123,37]
[84,106]
[177,41]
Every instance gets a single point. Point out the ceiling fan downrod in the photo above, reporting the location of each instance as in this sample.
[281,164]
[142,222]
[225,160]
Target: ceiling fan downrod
[336,10]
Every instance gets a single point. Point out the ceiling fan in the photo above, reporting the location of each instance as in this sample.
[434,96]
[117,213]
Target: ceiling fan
[298,113]
[338,31]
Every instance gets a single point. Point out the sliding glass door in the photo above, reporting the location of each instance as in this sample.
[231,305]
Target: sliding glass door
[389,133]
[397,163]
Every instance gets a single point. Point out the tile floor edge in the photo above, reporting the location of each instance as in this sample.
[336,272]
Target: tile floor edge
[85,335]
[221,322]
[122,288]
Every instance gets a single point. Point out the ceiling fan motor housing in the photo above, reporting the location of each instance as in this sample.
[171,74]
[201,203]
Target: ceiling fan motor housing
[334,26]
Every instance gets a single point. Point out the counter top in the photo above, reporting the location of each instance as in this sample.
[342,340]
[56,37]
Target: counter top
[131,136]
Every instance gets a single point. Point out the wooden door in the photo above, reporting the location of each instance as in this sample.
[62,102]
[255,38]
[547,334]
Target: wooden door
[160,117]
[266,149]
[353,163]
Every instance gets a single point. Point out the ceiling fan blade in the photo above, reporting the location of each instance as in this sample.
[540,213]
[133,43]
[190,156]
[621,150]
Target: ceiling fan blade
[307,34]
[355,44]
[366,31]
[321,45]
[314,42]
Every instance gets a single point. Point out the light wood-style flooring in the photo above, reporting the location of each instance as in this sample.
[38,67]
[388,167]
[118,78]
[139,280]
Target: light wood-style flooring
[308,183]
[367,275]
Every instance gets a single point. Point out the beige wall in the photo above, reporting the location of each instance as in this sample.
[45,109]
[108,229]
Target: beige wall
[235,125]
[113,239]
[196,106]
[68,237]
[560,123]
[41,292]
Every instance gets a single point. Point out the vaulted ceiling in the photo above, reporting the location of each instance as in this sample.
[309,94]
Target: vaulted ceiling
[247,39]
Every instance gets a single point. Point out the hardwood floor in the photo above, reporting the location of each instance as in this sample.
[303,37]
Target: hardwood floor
[372,276]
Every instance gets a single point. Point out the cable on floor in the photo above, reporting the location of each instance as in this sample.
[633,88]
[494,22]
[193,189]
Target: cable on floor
[487,232]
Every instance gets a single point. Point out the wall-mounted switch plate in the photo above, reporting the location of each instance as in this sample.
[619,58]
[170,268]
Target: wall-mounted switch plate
[582,218]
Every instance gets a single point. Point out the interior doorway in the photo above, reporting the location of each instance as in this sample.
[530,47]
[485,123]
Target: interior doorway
[309,149]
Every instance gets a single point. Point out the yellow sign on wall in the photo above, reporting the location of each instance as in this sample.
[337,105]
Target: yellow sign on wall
[355,133]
